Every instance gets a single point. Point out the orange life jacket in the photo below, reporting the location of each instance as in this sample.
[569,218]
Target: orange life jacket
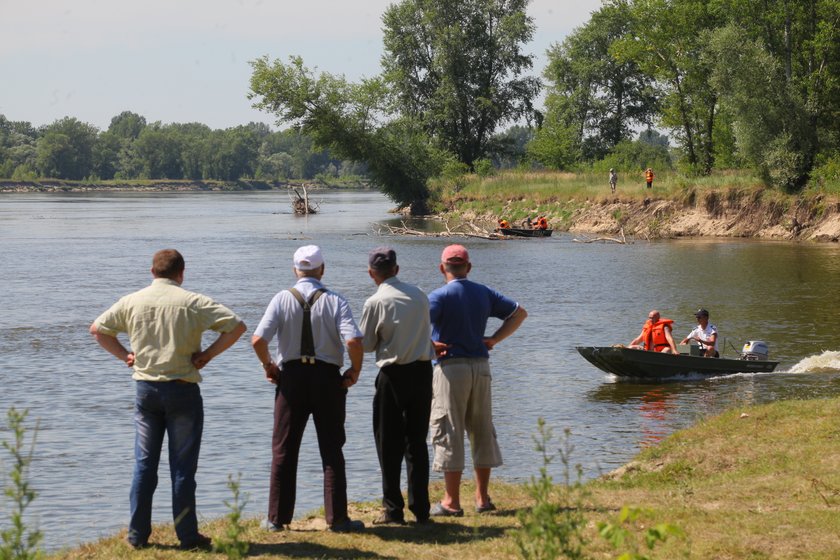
[649,175]
[504,224]
[654,334]
[542,223]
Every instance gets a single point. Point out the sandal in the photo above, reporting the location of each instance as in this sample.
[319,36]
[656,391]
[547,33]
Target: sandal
[484,509]
[439,510]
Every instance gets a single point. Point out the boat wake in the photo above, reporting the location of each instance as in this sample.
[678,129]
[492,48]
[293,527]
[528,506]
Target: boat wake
[827,362]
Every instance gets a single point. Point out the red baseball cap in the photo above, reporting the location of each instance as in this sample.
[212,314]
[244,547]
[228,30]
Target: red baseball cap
[455,254]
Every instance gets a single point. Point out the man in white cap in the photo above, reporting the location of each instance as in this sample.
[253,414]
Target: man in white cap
[461,380]
[313,326]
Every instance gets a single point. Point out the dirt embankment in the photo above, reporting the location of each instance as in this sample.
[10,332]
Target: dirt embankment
[732,213]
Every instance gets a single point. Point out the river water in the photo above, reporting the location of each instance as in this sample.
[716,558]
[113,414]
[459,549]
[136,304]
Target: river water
[66,257]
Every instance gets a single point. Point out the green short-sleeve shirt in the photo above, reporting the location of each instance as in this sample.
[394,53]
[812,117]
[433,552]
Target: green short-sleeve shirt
[164,323]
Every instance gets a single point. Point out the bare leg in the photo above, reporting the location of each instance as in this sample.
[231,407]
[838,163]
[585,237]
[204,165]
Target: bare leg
[452,493]
[482,483]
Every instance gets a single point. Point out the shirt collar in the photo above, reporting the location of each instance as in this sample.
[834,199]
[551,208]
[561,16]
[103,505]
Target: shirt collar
[169,281]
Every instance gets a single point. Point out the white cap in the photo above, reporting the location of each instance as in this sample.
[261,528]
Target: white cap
[308,257]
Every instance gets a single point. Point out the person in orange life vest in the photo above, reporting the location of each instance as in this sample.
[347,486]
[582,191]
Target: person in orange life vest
[655,335]
[541,223]
[504,224]
[649,177]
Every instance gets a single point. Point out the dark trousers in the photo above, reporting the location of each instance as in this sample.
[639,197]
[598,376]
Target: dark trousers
[306,389]
[401,408]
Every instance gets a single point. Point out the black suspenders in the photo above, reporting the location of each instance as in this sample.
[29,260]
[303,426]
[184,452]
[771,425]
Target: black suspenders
[307,341]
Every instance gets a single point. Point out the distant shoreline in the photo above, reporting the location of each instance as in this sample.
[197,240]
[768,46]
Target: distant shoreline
[58,186]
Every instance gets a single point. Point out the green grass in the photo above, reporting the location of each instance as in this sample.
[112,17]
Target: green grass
[753,483]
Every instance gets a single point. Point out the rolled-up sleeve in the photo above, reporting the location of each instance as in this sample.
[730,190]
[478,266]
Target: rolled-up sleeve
[215,316]
[112,321]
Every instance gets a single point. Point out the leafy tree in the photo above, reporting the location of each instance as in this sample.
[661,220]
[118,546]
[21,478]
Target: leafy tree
[159,149]
[352,120]
[106,155]
[127,125]
[192,142]
[17,147]
[457,68]
[781,83]
[509,147]
[668,41]
[600,98]
[65,149]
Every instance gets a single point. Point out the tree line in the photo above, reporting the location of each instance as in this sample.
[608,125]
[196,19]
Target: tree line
[752,84]
[132,149]
[734,83]
[737,83]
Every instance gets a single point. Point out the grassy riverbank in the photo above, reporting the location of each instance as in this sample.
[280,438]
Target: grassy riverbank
[732,204]
[753,483]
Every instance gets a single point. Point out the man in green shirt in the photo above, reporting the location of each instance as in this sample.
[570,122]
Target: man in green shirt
[164,323]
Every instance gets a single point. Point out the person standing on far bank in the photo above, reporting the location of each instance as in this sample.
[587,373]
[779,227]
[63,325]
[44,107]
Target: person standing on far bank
[461,380]
[313,326]
[649,177]
[613,180]
[164,323]
[396,325]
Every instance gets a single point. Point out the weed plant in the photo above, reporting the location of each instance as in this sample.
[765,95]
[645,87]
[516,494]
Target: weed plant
[18,541]
[231,544]
[554,526]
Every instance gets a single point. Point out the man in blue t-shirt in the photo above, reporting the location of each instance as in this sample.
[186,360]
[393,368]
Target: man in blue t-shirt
[461,383]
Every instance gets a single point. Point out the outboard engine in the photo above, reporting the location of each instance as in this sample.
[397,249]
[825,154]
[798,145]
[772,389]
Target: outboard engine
[755,350]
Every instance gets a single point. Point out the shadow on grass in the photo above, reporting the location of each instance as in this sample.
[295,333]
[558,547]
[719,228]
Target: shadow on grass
[310,550]
[438,532]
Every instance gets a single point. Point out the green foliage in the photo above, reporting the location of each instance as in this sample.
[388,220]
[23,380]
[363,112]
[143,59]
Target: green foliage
[132,149]
[634,156]
[231,544]
[555,524]
[459,68]
[18,542]
[620,534]
[354,121]
[65,149]
[484,167]
[595,98]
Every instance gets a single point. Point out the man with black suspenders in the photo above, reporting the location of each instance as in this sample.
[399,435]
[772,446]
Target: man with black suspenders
[313,326]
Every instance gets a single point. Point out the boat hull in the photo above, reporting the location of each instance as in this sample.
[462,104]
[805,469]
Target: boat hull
[628,362]
[521,232]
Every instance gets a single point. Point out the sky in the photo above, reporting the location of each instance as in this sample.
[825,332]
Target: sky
[180,61]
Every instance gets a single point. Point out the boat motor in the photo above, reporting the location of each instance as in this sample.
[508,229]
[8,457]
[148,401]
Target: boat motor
[755,350]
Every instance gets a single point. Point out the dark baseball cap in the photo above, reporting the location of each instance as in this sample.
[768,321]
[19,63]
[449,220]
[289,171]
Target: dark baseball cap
[382,258]
[701,313]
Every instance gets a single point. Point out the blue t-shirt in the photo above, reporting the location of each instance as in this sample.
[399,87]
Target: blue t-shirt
[459,312]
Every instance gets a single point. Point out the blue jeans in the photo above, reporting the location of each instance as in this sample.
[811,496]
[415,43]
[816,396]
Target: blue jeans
[176,409]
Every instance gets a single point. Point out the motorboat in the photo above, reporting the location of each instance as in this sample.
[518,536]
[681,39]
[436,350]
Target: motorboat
[525,232]
[642,364]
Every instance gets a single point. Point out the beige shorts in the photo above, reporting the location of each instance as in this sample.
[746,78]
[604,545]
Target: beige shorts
[462,402]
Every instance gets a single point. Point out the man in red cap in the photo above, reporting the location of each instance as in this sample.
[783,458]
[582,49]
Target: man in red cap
[461,380]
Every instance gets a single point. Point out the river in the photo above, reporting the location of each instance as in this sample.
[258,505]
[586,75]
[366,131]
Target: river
[67,257]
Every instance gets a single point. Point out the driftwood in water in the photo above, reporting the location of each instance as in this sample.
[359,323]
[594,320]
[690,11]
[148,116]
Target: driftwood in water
[301,205]
[622,241]
[458,231]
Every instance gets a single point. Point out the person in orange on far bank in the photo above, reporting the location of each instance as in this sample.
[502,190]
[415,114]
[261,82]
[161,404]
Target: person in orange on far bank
[649,177]
[541,223]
